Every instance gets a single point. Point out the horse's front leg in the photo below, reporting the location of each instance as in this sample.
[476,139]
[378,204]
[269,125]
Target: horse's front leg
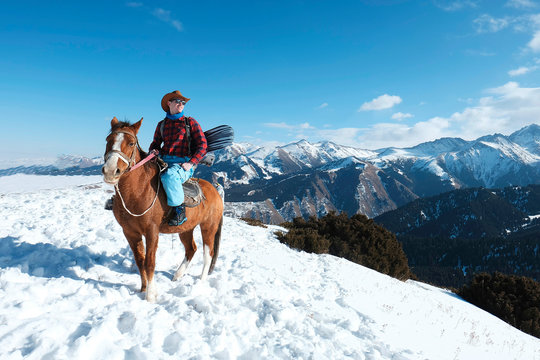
[137,247]
[152,238]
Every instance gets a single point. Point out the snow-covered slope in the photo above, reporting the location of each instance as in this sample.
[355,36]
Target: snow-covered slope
[68,290]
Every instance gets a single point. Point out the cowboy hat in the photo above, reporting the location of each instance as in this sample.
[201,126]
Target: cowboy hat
[170,96]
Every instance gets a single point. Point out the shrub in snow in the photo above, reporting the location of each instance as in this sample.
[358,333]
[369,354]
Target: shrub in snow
[514,299]
[357,239]
[253,222]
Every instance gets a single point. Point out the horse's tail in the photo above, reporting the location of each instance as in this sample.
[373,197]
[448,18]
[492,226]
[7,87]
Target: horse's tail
[220,190]
[217,239]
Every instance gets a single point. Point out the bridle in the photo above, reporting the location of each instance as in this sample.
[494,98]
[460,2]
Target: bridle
[130,161]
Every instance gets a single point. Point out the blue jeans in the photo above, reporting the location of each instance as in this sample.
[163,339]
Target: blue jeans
[173,178]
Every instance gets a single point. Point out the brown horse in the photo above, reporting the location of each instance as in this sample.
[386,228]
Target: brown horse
[140,207]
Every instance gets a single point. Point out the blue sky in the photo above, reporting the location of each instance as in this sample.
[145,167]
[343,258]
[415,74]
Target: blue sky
[365,73]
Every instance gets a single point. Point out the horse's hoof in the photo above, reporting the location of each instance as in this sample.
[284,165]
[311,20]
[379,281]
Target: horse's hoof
[181,270]
[179,274]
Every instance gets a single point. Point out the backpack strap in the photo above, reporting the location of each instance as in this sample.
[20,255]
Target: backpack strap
[188,131]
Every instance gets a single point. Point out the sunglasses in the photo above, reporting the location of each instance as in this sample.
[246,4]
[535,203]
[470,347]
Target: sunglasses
[178,101]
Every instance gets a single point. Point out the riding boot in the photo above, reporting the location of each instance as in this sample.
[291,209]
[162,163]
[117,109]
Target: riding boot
[109,203]
[178,216]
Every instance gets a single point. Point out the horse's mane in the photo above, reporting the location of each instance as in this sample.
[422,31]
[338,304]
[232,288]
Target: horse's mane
[123,124]
[119,125]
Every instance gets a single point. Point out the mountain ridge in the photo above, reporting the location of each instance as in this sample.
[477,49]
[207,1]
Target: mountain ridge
[324,176]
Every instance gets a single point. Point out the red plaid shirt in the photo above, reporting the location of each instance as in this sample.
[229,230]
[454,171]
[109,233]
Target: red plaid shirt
[175,142]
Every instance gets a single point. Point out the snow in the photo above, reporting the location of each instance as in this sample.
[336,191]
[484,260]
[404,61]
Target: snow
[69,290]
[24,183]
[21,161]
[343,163]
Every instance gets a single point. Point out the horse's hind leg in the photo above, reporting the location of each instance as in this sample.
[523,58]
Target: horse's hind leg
[207,261]
[209,237]
[137,247]
[190,248]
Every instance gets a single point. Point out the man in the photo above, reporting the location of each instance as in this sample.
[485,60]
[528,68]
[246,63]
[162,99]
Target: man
[182,145]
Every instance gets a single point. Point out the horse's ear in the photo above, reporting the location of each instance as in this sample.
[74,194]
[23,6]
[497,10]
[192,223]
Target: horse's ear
[136,126]
[114,121]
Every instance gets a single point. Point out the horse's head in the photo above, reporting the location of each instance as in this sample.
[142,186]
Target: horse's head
[121,150]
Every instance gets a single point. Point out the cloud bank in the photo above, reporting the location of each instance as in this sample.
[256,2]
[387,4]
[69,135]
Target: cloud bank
[507,109]
[504,109]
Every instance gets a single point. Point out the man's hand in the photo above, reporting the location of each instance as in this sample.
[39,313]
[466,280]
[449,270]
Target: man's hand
[187,166]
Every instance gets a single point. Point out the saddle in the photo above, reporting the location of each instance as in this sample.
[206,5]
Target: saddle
[193,194]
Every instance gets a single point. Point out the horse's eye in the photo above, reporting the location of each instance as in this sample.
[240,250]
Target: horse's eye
[131,144]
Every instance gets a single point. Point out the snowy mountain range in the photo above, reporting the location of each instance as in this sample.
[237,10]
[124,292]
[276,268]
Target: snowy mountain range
[69,290]
[467,213]
[304,179]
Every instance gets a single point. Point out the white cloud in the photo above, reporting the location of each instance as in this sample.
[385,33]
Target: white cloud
[283,125]
[455,5]
[382,102]
[534,44]
[522,70]
[280,125]
[343,136]
[522,23]
[305,126]
[488,24]
[296,131]
[521,3]
[506,109]
[534,20]
[479,53]
[510,108]
[399,116]
[322,106]
[401,135]
[165,16]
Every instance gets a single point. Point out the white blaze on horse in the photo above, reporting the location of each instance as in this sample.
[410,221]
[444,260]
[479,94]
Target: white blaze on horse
[141,209]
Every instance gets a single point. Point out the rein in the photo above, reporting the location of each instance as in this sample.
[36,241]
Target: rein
[150,156]
[132,165]
[124,204]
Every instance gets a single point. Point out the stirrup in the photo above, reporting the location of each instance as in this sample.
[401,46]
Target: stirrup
[109,203]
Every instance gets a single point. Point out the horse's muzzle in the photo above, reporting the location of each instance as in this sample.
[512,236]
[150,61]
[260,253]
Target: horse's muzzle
[111,176]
